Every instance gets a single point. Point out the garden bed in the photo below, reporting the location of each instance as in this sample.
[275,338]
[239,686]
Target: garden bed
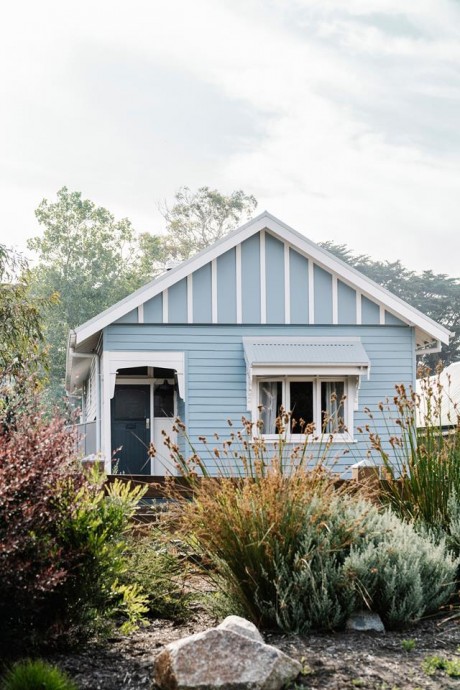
[335,660]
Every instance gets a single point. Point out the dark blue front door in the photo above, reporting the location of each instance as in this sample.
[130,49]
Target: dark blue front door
[131,429]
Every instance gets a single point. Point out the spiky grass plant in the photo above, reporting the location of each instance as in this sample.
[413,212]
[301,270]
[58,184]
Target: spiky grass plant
[252,516]
[34,674]
[423,466]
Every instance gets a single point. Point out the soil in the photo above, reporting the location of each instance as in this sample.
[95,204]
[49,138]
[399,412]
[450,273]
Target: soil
[374,661]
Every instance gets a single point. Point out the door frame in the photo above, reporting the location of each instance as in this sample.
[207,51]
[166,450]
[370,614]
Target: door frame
[111,361]
[145,381]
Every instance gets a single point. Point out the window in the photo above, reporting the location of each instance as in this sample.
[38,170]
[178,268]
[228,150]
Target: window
[322,402]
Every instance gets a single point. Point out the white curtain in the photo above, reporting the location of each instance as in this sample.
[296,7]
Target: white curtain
[332,406]
[268,397]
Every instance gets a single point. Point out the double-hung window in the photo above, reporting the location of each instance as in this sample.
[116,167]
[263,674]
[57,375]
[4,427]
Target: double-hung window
[315,405]
[315,379]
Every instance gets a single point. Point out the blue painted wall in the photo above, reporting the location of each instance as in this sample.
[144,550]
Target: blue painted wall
[274,279]
[153,310]
[346,303]
[298,276]
[323,296]
[250,279]
[216,372]
[202,309]
[177,302]
[226,287]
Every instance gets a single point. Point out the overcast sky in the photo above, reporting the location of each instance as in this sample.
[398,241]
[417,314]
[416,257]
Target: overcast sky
[342,118]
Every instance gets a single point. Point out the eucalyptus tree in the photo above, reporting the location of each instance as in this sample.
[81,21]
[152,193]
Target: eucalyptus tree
[435,294]
[197,219]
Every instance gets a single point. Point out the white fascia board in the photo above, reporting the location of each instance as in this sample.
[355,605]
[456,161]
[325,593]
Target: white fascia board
[300,243]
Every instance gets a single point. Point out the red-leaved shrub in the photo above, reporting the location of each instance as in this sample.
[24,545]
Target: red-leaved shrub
[38,477]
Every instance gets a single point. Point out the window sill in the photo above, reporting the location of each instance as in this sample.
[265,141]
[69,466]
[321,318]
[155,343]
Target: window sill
[310,440]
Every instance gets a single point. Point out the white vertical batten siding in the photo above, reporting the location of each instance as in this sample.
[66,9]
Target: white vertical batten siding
[311,293]
[263,282]
[335,300]
[140,313]
[239,302]
[287,285]
[165,306]
[190,298]
[382,315]
[359,313]
[214,290]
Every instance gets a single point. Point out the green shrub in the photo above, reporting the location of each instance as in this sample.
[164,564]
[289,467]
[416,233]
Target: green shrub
[159,571]
[36,675]
[311,589]
[399,573]
[425,458]
[95,526]
[296,553]
[62,536]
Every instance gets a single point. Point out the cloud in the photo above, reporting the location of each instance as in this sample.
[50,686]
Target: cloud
[341,120]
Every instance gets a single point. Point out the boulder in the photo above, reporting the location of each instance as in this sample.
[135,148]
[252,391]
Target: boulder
[363,621]
[242,627]
[221,659]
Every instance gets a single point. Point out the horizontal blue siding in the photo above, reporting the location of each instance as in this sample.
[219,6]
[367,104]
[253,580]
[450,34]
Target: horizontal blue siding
[216,372]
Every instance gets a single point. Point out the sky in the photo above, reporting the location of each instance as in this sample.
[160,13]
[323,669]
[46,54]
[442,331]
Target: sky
[342,118]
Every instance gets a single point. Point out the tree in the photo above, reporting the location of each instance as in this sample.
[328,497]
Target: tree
[435,294]
[197,219]
[86,257]
[21,330]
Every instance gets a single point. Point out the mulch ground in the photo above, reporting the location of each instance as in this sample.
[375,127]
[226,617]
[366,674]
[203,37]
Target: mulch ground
[374,661]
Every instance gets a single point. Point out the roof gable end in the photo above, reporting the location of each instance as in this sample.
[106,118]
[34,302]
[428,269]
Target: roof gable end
[346,293]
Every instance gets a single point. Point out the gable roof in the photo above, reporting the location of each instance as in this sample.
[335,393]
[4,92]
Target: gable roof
[427,330]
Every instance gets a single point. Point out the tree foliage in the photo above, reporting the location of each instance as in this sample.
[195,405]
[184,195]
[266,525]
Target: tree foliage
[197,219]
[21,328]
[91,260]
[435,294]
[85,256]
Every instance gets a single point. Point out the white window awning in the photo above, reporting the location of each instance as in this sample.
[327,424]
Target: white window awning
[309,354]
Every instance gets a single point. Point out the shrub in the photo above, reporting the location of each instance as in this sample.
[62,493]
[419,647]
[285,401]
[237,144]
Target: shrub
[31,675]
[298,554]
[423,467]
[399,573]
[159,571]
[61,536]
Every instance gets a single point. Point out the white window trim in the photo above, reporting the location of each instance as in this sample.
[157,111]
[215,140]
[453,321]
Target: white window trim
[351,385]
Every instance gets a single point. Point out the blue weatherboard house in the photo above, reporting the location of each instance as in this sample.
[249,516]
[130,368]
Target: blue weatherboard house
[262,318]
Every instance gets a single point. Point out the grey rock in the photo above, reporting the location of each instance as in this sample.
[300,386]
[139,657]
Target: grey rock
[242,627]
[363,621]
[220,659]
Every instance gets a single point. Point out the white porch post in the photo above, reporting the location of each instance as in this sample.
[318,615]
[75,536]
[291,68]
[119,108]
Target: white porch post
[106,432]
